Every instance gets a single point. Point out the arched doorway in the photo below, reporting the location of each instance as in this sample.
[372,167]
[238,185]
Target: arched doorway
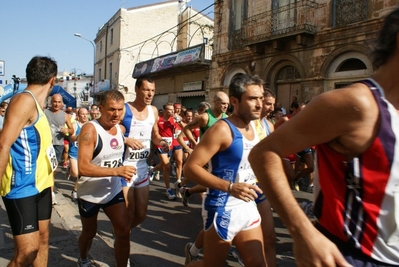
[288,85]
[346,68]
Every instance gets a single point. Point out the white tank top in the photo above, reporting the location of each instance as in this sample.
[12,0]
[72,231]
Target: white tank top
[107,153]
[140,130]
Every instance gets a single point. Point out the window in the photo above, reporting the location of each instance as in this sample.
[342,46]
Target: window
[351,64]
[238,13]
[288,73]
[283,15]
[110,73]
[112,36]
[346,12]
[101,46]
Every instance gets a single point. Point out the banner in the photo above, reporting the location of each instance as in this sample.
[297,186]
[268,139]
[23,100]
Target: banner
[68,99]
[188,56]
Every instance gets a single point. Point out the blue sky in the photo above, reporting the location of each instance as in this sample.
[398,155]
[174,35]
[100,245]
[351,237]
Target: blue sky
[47,27]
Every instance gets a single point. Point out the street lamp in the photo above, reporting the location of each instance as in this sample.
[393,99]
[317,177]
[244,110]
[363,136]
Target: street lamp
[94,58]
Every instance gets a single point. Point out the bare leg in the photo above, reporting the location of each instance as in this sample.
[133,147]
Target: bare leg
[31,248]
[269,235]
[42,255]
[212,243]
[165,168]
[117,214]
[178,156]
[89,231]
[137,203]
[250,246]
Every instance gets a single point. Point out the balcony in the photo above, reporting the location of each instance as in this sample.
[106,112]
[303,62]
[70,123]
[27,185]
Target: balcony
[290,20]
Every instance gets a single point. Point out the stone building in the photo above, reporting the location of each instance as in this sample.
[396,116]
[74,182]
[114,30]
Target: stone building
[146,34]
[299,47]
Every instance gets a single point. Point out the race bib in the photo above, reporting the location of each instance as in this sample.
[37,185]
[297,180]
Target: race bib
[52,158]
[246,176]
[169,140]
[111,163]
[137,155]
[176,134]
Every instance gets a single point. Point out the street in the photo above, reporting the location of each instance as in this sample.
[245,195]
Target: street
[158,241]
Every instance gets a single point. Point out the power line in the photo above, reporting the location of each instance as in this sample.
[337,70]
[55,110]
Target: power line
[149,39]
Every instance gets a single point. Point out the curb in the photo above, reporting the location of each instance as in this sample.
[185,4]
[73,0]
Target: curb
[101,251]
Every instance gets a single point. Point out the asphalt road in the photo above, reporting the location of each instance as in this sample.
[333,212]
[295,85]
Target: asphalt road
[158,241]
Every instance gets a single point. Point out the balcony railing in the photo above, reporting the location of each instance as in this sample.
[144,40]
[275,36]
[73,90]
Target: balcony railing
[287,20]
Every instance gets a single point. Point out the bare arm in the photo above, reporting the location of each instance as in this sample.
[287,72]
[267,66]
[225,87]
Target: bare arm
[180,139]
[156,137]
[202,154]
[280,122]
[20,113]
[87,142]
[74,136]
[70,129]
[331,116]
[199,121]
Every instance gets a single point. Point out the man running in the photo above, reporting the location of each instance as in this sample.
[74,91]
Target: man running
[356,185]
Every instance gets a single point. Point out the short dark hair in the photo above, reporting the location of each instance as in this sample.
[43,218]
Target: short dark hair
[386,41]
[168,104]
[268,93]
[40,70]
[140,80]
[238,85]
[111,95]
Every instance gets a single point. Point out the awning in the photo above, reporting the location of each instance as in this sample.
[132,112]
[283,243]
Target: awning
[189,94]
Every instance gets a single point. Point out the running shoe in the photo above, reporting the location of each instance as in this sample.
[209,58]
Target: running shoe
[84,263]
[53,199]
[296,186]
[157,175]
[236,255]
[301,183]
[310,189]
[184,197]
[151,172]
[65,165]
[170,194]
[177,189]
[74,195]
[189,257]
[68,173]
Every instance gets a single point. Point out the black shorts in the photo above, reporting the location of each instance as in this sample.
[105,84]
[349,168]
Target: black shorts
[89,209]
[25,213]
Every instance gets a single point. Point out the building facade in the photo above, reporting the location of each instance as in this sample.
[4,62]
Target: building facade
[143,34]
[299,47]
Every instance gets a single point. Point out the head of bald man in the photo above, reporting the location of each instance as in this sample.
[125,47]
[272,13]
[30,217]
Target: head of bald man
[221,102]
[56,102]
[83,115]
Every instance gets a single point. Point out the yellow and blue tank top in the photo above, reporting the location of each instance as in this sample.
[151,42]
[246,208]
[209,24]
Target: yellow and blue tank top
[28,171]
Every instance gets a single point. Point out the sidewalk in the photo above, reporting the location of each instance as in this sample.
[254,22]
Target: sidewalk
[64,232]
